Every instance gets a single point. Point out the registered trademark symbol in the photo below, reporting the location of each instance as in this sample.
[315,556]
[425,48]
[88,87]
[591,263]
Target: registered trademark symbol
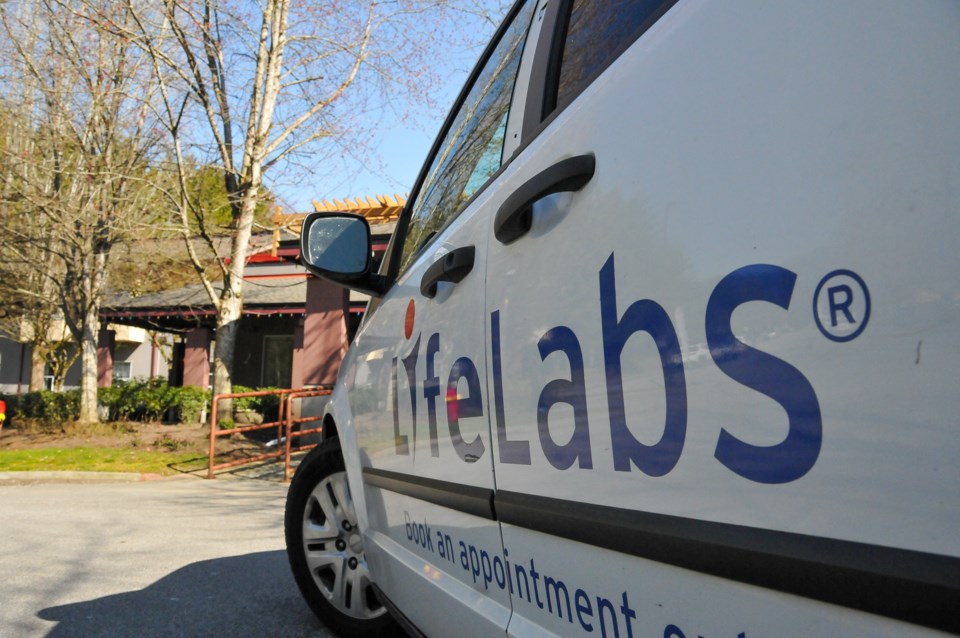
[841,305]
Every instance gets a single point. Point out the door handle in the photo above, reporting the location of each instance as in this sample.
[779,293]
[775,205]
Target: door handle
[515,216]
[452,267]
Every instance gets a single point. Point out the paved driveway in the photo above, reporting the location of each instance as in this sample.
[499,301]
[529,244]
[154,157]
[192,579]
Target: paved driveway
[185,557]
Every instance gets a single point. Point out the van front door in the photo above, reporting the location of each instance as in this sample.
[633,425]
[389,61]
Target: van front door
[418,376]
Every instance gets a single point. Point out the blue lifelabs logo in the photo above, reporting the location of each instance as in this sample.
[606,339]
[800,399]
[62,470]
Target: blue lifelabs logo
[841,306]
[841,311]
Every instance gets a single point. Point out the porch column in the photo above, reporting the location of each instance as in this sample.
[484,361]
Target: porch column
[106,342]
[296,376]
[324,333]
[175,374]
[196,358]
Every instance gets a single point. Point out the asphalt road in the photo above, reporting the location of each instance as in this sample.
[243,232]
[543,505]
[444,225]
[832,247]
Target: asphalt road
[174,558]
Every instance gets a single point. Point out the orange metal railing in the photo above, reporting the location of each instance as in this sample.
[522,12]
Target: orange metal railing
[284,426]
[291,422]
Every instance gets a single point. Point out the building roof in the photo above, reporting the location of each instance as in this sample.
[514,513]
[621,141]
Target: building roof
[274,282]
[189,307]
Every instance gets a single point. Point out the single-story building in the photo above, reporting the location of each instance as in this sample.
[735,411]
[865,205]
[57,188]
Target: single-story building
[294,330]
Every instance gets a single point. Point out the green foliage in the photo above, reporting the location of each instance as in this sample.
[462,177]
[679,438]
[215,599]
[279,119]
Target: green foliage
[208,196]
[268,406]
[242,403]
[45,406]
[210,200]
[138,400]
[191,401]
[151,400]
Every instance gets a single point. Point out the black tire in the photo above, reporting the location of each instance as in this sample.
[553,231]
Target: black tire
[329,565]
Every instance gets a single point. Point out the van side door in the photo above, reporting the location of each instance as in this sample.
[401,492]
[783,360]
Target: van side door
[721,305]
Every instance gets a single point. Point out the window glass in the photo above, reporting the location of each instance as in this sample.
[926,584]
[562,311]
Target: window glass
[472,150]
[277,367]
[121,370]
[597,33]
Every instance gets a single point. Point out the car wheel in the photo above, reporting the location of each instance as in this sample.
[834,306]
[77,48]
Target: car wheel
[325,550]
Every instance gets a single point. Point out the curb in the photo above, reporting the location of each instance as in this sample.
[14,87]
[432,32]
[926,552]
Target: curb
[31,478]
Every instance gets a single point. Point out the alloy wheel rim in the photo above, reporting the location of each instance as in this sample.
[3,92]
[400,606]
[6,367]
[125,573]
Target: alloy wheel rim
[333,549]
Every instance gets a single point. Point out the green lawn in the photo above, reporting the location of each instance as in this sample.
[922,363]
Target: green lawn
[99,459]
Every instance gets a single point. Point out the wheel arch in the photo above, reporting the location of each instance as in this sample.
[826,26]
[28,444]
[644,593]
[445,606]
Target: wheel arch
[329,427]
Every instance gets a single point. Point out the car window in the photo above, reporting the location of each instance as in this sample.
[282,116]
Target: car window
[471,151]
[597,33]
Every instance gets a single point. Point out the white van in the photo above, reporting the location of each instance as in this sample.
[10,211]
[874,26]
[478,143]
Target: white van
[666,342]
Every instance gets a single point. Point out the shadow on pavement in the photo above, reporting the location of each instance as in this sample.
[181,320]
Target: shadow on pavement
[251,595]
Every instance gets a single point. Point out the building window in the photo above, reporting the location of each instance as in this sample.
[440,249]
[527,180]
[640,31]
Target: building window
[277,370]
[121,371]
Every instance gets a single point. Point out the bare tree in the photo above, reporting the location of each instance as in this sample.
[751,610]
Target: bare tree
[258,87]
[24,317]
[79,184]
[29,305]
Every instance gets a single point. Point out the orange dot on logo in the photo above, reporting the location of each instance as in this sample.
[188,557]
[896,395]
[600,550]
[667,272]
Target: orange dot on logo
[410,318]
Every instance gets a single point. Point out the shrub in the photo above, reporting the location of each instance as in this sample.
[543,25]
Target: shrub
[243,403]
[152,400]
[189,402]
[108,398]
[268,406]
[136,400]
[45,406]
[122,400]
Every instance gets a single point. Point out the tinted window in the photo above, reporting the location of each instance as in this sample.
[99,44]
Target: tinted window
[472,149]
[597,33]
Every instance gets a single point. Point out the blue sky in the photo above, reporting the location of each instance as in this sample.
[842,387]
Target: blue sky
[400,143]
[401,151]
[398,150]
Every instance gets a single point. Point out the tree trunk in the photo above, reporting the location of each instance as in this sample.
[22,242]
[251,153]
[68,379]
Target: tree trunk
[230,304]
[38,366]
[88,368]
[228,325]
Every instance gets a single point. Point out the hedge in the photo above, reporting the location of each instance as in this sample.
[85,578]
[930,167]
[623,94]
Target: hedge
[46,406]
[137,400]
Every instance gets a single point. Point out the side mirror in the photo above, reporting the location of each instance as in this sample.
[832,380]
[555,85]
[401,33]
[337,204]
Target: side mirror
[337,247]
